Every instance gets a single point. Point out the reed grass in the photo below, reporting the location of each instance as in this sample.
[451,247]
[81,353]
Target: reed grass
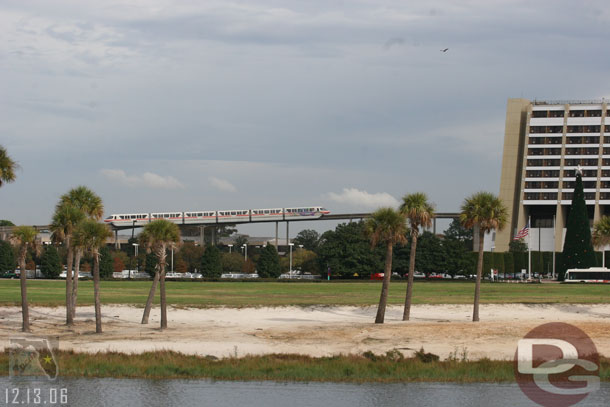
[391,367]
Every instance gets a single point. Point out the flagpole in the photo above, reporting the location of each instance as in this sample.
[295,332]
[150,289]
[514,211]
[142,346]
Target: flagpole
[554,239]
[529,248]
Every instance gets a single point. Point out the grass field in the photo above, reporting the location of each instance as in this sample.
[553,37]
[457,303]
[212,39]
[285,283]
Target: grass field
[391,367]
[241,294]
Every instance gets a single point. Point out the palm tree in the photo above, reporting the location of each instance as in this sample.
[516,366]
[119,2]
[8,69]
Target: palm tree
[388,226]
[91,205]
[22,237]
[601,235]
[157,236]
[482,211]
[419,212]
[91,236]
[7,167]
[65,219]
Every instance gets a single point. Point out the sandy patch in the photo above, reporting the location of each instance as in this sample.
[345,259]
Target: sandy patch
[316,331]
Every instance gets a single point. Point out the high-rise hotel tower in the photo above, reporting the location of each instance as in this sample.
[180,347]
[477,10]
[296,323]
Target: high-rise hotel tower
[544,143]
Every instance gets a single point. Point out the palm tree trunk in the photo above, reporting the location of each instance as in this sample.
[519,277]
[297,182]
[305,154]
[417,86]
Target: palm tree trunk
[383,299]
[162,256]
[25,312]
[77,256]
[69,317]
[477,287]
[96,292]
[151,297]
[407,312]
[163,299]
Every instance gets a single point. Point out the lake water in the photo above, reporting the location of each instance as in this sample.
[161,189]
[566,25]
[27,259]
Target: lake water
[148,393]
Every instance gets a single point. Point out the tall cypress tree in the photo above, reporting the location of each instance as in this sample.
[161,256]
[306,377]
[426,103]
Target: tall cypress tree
[268,265]
[578,248]
[211,265]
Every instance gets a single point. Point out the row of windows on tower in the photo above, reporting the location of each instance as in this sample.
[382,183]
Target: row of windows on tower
[552,196]
[566,173]
[569,151]
[571,113]
[568,162]
[569,129]
[566,184]
[569,140]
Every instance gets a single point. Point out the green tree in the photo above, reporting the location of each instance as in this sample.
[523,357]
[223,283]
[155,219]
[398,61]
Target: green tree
[232,262]
[387,226]
[346,251]
[517,246]
[601,235]
[482,211]
[211,262]
[240,241]
[191,254]
[430,254]
[419,213]
[578,247]
[306,261]
[7,257]
[456,231]
[50,265]
[268,265]
[308,238]
[151,264]
[106,262]
[157,236]
[5,222]
[7,167]
[458,260]
[24,237]
[91,236]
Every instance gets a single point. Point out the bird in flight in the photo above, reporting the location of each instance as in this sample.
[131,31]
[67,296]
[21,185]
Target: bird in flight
[445,50]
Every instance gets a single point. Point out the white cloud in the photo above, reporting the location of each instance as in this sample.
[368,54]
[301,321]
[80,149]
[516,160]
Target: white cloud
[222,184]
[358,198]
[147,179]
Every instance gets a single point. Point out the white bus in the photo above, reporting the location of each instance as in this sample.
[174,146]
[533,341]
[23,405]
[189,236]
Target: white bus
[590,275]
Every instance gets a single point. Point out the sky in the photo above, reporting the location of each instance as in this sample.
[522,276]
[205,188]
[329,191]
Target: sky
[161,105]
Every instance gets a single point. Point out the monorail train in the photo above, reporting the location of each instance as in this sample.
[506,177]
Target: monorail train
[224,216]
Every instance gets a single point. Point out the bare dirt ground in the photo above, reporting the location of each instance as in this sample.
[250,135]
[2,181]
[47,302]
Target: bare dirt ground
[315,331]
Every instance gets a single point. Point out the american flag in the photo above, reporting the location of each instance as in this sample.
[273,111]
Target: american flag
[523,232]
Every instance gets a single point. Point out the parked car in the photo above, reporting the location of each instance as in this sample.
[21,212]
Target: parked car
[377,276]
[8,274]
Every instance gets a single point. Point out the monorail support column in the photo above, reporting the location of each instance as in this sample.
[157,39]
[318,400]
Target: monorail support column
[214,236]
[202,235]
[116,239]
[434,225]
[276,233]
[287,233]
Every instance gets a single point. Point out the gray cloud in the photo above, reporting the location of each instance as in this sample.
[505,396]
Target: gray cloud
[146,180]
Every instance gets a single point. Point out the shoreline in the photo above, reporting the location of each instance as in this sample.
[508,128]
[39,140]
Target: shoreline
[315,331]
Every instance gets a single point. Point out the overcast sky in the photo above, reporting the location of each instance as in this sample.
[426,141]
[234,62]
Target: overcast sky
[182,105]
